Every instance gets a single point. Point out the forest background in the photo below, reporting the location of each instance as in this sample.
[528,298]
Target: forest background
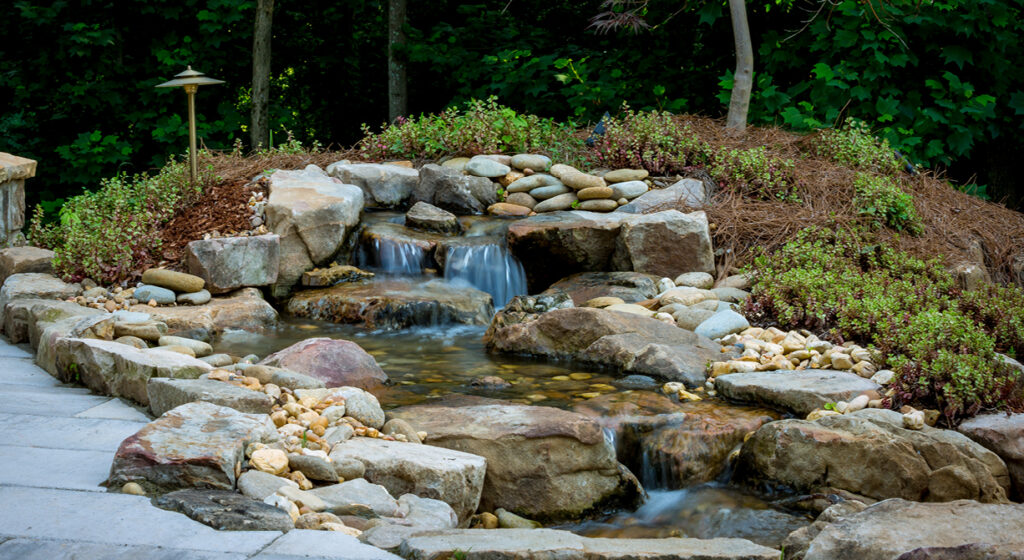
[942,80]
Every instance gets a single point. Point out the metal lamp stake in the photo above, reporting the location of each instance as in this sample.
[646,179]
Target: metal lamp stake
[191,80]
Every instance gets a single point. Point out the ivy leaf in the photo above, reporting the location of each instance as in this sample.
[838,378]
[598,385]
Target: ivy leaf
[957,55]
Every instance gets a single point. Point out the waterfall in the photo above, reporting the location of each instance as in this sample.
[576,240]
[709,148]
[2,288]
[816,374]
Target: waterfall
[489,268]
[394,258]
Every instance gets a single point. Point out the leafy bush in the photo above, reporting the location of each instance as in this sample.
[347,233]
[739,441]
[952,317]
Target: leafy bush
[882,198]
[854,146]
[482,127]
[651,140]
[942,348]
[948,359]
[106,233]
[755,173]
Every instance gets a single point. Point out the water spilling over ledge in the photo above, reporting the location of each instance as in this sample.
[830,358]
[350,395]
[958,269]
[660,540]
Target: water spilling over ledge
[490,268]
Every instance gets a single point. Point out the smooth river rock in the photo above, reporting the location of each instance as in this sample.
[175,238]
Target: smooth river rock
[335,362]
[542,462]
[172,280]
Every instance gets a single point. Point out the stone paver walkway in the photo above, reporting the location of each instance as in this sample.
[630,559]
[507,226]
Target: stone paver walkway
[56,446]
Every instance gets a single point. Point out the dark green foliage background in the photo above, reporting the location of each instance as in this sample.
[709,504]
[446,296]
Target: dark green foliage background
[77,76]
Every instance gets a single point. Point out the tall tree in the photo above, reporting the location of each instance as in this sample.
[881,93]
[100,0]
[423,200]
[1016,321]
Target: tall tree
[632,14]
[743,78]
[398,96]
[260,125]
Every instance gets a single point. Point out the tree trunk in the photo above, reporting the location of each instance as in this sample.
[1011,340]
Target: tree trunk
[259,129]
[398,97]
[743,78]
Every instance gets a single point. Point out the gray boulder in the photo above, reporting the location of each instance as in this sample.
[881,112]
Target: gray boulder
[313,215]
[800,391]
[427,217]
[229,263]
[722,323]
[1003,434]
[383,185]
[897,528]
[16,260]
[453,477]
[195,445]
[35,285]
[869,453]
[687,193]
[454,191]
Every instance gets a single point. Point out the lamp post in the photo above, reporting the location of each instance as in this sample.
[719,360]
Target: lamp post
[191,80]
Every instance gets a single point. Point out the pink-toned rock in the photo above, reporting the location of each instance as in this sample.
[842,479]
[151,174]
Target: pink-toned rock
[338,363]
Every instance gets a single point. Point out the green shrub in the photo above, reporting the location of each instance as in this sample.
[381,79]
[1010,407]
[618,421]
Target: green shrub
[947,359]
[651,140]
[943,348]
[854,146]
[882,199]
[481,127]
[107,233]
[755,173]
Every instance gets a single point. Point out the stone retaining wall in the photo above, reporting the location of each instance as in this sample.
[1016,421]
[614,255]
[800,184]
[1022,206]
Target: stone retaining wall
[14,171]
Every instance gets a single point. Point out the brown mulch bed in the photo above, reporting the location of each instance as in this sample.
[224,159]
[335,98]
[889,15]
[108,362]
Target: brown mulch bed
[958,226]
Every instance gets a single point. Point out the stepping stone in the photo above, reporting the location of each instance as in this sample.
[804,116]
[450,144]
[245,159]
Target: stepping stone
[165,394]
[799,391]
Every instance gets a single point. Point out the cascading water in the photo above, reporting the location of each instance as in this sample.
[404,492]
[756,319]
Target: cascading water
[489,268]
[394,258]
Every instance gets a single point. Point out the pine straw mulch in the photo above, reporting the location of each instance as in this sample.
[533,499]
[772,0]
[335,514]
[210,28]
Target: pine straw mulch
[957,226]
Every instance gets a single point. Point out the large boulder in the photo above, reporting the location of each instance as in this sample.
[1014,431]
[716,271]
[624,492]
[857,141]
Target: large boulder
[799,391]
[686,193]
[229,263]
[557,244]
[120,370]
[1003,434]
[35,285]
[665,244]
[165,394]
[453,477]
[631,343]
[313,214]
[16,260]
[542,462]
[243,309]
[394,303]
[383,185]
[335,362]
[548,544]
[194,445]
[907,530]
[871,454]
[630,287]
[45,336]
[679,444]
[454,191]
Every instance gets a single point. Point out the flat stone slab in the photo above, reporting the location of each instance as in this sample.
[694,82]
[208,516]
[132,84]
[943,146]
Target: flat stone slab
[40,401]
[15,260]
[453,477]
[226,511]
[242,309]
[165,394]
[544,544]
[45,549]
[71,469]
[870,534]
[112,368]
[115,519]
[66,433]
[301,543]
[195,445]
[798,391]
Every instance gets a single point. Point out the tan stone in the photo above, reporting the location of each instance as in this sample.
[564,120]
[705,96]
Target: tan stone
[273,461]
[601,302]
[177,281]
[594,193]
